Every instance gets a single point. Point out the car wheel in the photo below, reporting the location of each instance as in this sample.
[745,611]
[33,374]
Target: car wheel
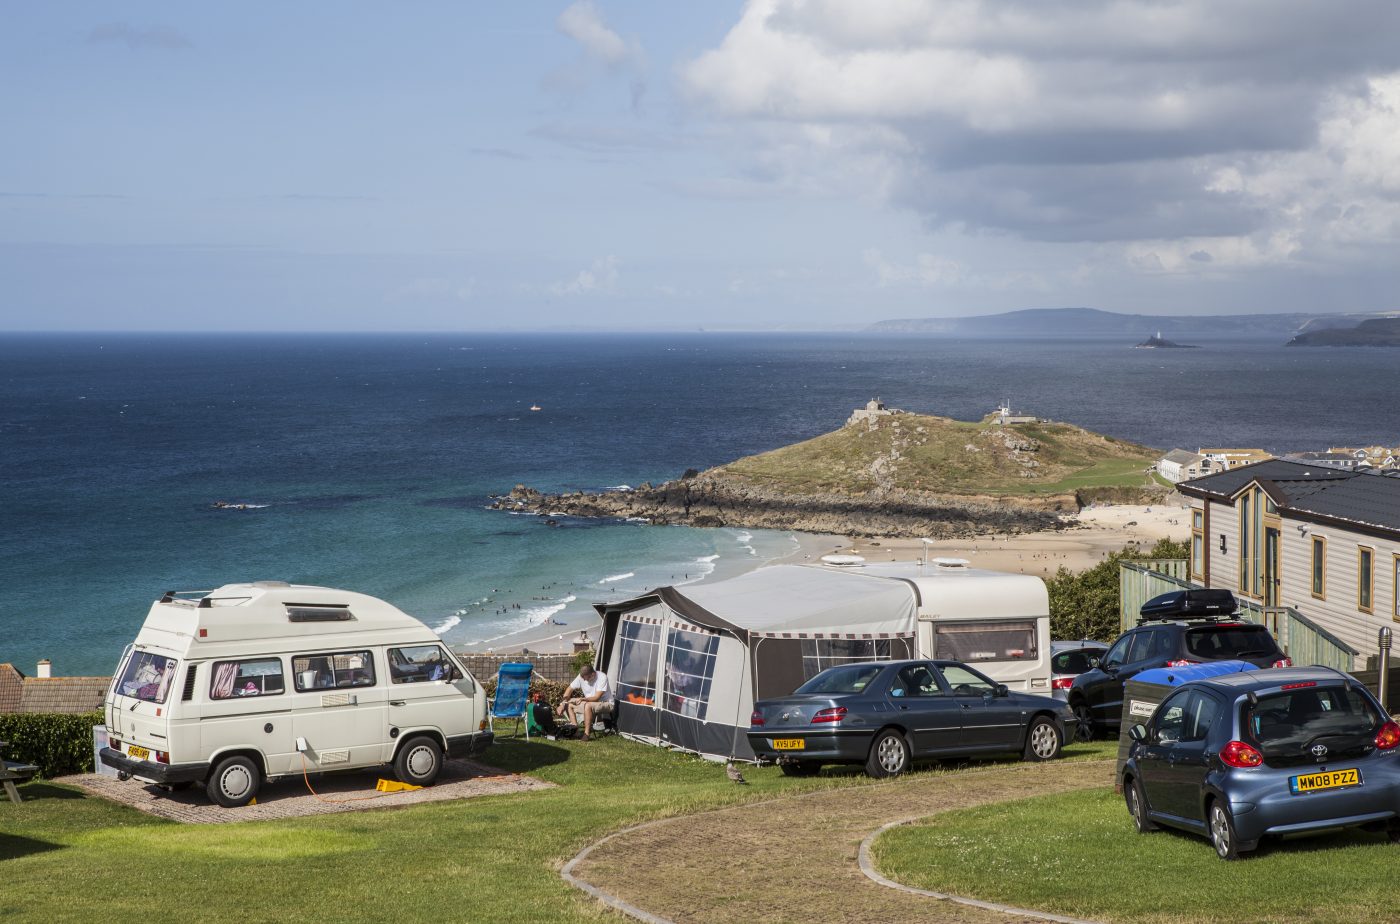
[889,755]
[234,782]
[1042,740]
[1222,832]
[1137,807]
[419,761]
[1084,722]
[801,768]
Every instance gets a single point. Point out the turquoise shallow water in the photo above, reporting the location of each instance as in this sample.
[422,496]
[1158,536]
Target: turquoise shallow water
[366,461]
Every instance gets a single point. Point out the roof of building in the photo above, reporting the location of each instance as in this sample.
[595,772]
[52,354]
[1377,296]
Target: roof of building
[11,687]
[1182,456]
[1317,493]
[63,694]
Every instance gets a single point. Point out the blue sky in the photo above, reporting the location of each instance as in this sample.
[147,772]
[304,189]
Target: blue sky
[781,163]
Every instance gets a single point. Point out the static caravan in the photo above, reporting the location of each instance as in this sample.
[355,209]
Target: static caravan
[688,662]
[254,681]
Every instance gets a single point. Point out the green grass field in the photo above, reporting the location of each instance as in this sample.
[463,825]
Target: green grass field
[1078,855]
[65,856]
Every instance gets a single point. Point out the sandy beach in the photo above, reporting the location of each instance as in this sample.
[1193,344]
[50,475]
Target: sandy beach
[1088,538]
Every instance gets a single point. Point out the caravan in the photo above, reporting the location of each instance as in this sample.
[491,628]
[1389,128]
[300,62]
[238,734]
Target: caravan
[255,681]
[689,662]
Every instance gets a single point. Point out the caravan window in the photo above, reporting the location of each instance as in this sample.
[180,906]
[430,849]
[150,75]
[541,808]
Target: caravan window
[329,671]
[261,677]
[637,655]
[973,642]
[690,666]
[147,677]
[820,653]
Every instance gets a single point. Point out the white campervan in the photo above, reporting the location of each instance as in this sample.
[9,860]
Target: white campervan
[254,681]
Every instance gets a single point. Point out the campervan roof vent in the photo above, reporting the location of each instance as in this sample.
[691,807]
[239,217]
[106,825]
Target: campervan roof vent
[318,612]
[271,584]
[844,561]
[951,562]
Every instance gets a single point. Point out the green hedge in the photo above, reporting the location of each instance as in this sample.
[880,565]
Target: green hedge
[56,744]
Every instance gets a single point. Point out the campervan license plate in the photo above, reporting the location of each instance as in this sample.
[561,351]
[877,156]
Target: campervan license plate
[1332,779]
[138,753]
[789,744]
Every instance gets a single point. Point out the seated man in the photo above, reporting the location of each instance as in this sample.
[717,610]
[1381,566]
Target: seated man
[590,695]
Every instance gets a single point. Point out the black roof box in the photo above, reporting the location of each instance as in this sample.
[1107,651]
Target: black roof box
[1189,604]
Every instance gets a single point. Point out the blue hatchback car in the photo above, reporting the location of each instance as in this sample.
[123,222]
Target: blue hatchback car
[1239,757]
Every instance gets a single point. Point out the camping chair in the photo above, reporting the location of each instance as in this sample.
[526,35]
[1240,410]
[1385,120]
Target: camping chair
[512,696]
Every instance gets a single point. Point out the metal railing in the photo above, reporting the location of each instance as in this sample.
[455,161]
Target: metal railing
[1301,638]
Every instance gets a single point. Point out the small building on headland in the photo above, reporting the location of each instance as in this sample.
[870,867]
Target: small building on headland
[49,694]
[1183,465]
[870,414]
[1004,415]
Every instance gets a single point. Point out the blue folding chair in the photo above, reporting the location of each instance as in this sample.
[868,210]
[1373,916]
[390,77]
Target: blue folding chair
[512,696]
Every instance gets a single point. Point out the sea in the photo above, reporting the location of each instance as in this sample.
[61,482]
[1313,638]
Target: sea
[368,461]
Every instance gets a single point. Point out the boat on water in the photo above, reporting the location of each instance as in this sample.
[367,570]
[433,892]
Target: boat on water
[536,407]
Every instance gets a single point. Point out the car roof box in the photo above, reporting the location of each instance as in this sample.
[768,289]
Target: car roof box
[1189,604]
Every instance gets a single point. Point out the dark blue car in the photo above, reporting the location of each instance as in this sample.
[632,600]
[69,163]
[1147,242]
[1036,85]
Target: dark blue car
[1243,756]
[886,714]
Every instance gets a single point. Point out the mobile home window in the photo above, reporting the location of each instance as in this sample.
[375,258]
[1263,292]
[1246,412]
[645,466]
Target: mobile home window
[1319,567]
[690,666]
[820,653]
[1365,578]
[333,670]
[421,663]
[147,677]
[258,677]
[986,641]
[637,653]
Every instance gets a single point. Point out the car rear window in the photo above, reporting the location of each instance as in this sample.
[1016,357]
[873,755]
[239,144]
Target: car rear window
[851,679]
[1219,643]
[1074,662]
[1294,719]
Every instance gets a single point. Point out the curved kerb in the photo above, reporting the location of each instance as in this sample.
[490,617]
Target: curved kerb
[867,867]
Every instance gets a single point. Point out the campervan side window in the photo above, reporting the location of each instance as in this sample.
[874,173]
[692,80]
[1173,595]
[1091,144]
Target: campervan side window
[260,677]
[636,672]
[147,677]
[975,642]
[690,666]
[420,663]
[333,670]
[820,653]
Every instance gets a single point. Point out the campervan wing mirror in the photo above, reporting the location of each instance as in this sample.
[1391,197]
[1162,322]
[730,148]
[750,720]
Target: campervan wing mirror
[1138,732]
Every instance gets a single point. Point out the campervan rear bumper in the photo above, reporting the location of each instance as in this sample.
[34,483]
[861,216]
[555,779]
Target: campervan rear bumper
[469,745]
[150,770]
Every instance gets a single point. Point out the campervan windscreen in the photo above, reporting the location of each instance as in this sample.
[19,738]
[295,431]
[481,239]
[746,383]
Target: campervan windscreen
[974,642]
[147,677]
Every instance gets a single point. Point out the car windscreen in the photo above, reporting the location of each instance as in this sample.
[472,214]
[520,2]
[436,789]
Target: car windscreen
[852,679]
[147,677]
[1290,721]
[1221,643]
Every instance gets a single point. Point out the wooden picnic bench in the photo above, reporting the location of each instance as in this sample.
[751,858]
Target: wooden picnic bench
[12,773]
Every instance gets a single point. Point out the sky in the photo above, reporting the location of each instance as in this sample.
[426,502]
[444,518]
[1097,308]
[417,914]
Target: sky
[775,164]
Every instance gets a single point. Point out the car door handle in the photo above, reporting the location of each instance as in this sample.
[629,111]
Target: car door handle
[904,707]
[396,702]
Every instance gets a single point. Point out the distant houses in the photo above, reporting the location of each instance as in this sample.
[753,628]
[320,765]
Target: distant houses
[46,693]
[1322,540]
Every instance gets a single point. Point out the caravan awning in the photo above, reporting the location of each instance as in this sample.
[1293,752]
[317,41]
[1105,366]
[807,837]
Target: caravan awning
[797,601]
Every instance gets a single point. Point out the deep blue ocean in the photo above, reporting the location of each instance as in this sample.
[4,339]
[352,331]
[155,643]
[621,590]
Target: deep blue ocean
[366,461]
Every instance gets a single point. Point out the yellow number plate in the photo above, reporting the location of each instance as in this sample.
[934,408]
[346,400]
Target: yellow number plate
[138,753]
[789,744]
[1333,779]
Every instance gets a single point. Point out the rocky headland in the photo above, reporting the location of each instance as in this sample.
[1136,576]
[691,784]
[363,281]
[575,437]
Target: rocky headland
[887,473]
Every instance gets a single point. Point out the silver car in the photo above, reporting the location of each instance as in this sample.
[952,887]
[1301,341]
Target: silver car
[1068,660]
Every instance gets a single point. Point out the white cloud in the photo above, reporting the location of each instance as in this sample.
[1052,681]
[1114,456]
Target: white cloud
[599,278]
[584,24]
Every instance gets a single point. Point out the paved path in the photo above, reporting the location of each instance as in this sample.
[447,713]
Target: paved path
[796,858]
[288,797]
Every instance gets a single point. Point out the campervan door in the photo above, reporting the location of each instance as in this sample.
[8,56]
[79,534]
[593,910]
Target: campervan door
[997,623]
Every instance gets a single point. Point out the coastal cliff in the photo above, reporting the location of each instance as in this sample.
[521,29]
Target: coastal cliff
[888,474]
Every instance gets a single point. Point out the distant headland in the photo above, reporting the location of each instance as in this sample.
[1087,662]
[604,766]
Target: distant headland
[889,472]
[1158,342]
[1383,332]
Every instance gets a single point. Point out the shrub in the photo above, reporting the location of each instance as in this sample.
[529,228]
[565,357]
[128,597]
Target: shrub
[56,744]
[1086,604]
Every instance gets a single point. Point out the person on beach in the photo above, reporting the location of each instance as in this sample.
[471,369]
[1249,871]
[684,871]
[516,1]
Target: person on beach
[590,695]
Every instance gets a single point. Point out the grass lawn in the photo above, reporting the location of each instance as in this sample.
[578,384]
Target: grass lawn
[1078,854]
[66,856]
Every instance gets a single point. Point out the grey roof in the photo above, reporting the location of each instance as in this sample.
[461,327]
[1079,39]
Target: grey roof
[1309,492]
[1182,456]
[63,694]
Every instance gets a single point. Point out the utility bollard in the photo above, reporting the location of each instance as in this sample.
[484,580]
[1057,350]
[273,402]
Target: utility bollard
[1384,682]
